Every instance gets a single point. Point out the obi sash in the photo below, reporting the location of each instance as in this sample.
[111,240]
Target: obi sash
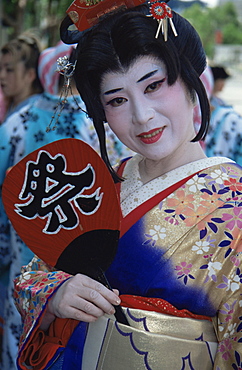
[153,341]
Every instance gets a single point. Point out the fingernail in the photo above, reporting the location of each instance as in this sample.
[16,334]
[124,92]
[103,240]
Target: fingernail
[118,301]
[112,311]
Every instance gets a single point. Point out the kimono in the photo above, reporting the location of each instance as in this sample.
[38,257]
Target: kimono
[178,270]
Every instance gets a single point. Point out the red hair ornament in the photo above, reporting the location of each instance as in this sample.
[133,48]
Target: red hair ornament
[85,13]
[162,12]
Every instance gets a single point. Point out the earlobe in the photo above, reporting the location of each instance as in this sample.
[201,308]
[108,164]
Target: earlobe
[31,74]
[195,100]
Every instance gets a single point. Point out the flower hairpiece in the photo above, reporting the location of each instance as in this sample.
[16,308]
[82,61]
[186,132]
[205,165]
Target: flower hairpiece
[162,12]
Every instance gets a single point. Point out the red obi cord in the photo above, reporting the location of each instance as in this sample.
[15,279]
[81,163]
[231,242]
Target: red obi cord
[157,305]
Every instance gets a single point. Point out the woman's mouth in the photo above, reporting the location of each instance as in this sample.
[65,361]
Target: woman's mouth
[152,136]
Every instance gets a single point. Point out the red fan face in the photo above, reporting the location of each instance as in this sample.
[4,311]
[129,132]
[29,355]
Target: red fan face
[62,202]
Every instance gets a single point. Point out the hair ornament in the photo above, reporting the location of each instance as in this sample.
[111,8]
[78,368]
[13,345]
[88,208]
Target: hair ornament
[67,69]
[85,13]
[162,12]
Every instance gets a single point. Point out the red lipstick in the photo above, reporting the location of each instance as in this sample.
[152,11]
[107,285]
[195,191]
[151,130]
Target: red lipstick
[152,136]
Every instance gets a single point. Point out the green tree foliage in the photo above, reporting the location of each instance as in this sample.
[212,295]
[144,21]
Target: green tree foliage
[209,22]
[42,15]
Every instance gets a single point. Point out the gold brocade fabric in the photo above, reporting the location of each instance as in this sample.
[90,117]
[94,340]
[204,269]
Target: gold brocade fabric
[155,341]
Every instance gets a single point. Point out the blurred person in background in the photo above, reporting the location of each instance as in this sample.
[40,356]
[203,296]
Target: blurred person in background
[27,130]
[2,106]
[18,71]
[220,75]
[224,137]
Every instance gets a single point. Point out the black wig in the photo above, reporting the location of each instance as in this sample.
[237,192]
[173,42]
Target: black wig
[118,40]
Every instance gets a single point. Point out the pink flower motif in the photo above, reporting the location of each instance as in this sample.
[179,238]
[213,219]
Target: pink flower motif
[172,220]
[181,201]
[233,184]
[235,261]
[183,269]
[228,311]
[195,216]
[225,347]
[210,202]
[234,220]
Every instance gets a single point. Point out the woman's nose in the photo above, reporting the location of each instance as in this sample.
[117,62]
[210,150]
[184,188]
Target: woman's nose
[142,111]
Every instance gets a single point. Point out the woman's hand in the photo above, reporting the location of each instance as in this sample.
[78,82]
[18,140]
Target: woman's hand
[80,298]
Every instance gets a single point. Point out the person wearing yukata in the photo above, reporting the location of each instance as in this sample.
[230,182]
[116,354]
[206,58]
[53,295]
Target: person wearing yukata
[177,271]
[224,136]
[220,76]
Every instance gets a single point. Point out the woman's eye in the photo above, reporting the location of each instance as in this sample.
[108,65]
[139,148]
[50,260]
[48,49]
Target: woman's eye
[116,102]
[154,86]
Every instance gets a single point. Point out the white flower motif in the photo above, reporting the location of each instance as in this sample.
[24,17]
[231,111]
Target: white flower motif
[158,232]
[212,266]
[231,330]
[196,183]
[218,176]
[220,326]
[233,284]
[201,246]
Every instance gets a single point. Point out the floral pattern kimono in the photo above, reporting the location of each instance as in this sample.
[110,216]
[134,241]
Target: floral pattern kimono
[178,270]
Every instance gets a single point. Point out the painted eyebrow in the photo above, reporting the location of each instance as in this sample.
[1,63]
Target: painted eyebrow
[145,77]
[113,91]
[148,75]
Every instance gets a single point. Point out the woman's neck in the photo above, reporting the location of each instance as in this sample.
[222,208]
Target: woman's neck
[150,169]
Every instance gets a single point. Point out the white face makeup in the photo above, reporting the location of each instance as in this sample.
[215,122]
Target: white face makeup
[149,116]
